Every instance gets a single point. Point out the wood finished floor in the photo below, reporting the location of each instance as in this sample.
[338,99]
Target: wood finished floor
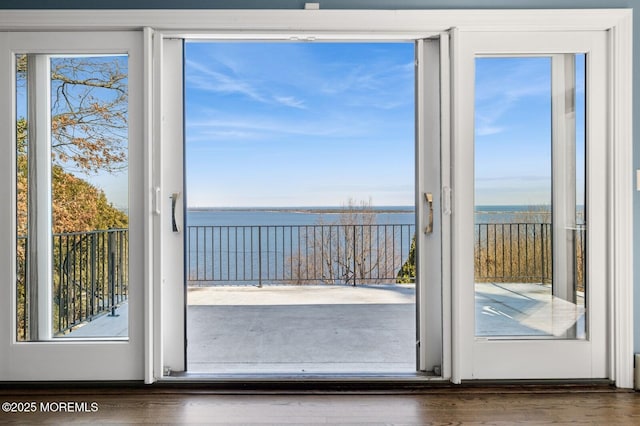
[440,407]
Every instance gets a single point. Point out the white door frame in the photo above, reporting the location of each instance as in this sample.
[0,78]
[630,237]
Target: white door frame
[70,358]
[411,24]
[169,160]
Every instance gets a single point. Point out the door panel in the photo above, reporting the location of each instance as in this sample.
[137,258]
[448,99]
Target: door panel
[74,127]
[432,218]
[528,237]
[170,187]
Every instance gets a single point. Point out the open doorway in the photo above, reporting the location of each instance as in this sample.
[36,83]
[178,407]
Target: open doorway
[300,220]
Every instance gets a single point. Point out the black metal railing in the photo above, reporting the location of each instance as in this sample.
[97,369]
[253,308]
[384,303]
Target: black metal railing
[90,269]
[296,254]
[522,252]
[21,288]
[90,277]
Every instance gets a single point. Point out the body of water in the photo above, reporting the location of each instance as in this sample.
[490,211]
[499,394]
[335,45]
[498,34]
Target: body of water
[291,216]
[332,215]
[512,214]
[240,246]
[268,245]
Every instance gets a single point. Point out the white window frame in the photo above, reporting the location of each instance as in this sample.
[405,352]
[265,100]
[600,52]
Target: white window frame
[372,24]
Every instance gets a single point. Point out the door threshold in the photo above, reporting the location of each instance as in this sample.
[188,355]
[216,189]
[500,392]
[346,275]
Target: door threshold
[420,383]
[417,377]
[305,383]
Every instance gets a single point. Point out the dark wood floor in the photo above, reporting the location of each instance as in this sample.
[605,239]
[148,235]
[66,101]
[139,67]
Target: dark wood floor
[475,405]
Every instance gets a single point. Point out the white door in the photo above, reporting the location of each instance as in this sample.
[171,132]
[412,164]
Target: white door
[72,255]
[529,222]
[169,184]
[170,193]
[433,207]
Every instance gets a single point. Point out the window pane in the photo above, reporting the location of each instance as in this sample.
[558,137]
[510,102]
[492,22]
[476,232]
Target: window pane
[22,143]
[76,208]
[529,197]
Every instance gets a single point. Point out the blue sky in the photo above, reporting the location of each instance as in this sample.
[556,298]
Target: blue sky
[312,124]
[299,124]
[317,124]
[513,130]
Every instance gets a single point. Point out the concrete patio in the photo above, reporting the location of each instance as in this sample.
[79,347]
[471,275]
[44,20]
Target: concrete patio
[526,310]
[104,326]
[301,329]
[339,329]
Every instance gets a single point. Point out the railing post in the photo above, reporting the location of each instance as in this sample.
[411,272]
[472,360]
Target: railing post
[111,260]
[92,260]
[260,256]
[354,255]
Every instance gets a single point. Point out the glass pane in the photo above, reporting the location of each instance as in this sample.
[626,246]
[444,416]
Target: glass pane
[75,208]
[22,143]
[529,197]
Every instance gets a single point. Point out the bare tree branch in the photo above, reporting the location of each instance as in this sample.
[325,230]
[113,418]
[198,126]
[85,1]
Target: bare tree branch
[89,112]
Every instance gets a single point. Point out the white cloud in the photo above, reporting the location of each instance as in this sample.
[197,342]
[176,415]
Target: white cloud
[488,130]
[204,78]
[515,178]
[500,89]
[379,85]
[271,126]
[290,101]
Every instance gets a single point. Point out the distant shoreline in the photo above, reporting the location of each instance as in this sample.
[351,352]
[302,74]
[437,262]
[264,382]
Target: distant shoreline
[480,209]
[306,210]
